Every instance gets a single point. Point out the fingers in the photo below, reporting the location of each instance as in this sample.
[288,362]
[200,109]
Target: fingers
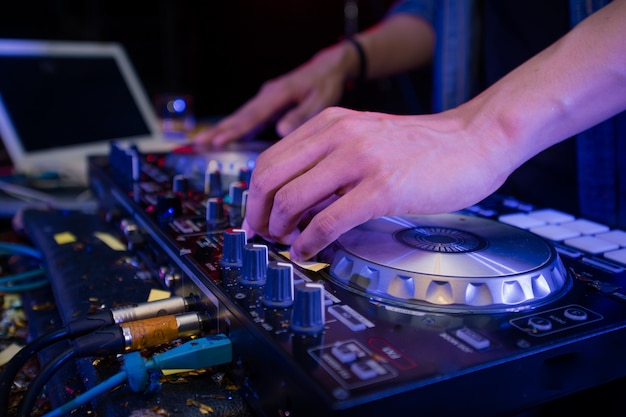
[300,174]
[328,225]
[271,100]
[228,130]
[274,168]
[313,103]
[289,100]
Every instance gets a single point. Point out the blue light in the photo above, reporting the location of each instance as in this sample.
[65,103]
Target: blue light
[179,105]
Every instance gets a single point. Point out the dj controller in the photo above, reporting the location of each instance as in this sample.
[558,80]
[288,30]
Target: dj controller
[453,314]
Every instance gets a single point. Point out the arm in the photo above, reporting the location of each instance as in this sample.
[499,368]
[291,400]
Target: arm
[572,85]
[399,43]
[343,168]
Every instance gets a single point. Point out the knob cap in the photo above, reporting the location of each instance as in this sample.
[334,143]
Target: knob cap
[215,211]
[279,286]
[254,265]
[245,174]
[213,180]
[180,184]
[236,191]
[308,309]
[232,250]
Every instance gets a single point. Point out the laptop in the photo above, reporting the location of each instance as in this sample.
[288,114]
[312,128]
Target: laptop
[61,101]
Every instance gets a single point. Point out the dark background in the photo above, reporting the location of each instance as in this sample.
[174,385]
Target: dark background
[219,51]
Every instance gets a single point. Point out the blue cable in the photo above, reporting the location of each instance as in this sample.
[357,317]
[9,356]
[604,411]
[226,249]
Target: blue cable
[18,249]
[194,354]
[102,388]
[24,287]
[9,279]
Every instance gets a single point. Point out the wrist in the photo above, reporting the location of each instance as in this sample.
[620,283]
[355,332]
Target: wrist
[360,74]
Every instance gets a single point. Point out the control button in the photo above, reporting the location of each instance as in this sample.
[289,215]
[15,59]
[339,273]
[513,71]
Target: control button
[586,227]
[346,352]
[521,220]
[591,244]
[539,323]
[232,250]
[278,291]
[347,316]
[615,236]
[618,256]
[168,207]
[308,309]
[554,232]
[551,216]
[472,338]
[254,265]
[602,264]
[215,211]
[367,370]
[575,314]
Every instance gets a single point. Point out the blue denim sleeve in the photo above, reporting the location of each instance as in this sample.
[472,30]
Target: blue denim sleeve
[422,8]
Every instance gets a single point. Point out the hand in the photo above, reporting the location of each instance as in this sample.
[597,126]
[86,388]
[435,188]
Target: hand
[289,100]
[343,168]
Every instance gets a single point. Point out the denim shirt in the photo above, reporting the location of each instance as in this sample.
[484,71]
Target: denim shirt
[455,59]
[601,175]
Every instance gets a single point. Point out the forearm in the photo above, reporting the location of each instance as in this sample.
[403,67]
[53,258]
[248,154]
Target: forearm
[398,44]
[572,85]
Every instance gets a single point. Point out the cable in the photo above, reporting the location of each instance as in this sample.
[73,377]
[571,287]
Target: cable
[194,354]
[82,326]
[9,282]
[16,363]
[18,249]
[132,312]
[12,280]
[37,384]
[34,198]
[140,334]
[116,339]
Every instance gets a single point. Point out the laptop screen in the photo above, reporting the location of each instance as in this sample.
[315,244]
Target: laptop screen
[61,101]
[65,101]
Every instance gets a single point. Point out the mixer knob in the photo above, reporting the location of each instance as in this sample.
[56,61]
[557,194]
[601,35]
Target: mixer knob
[168,207]
[254,265]
[125,162]
[245,174]
[180,184]
[135,161]
[236,192]
[215,212]
[213,180]
[232,251]
[279,286]
[308,309]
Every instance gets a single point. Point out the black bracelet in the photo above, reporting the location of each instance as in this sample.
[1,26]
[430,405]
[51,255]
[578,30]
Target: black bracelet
[362,59]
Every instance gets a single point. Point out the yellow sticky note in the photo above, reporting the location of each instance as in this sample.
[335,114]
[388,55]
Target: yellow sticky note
[156,294]
[111,241]
[310,266]
[8,352]
[64,238]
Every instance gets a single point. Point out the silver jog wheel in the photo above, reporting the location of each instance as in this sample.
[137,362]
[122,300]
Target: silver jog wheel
[448,262]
